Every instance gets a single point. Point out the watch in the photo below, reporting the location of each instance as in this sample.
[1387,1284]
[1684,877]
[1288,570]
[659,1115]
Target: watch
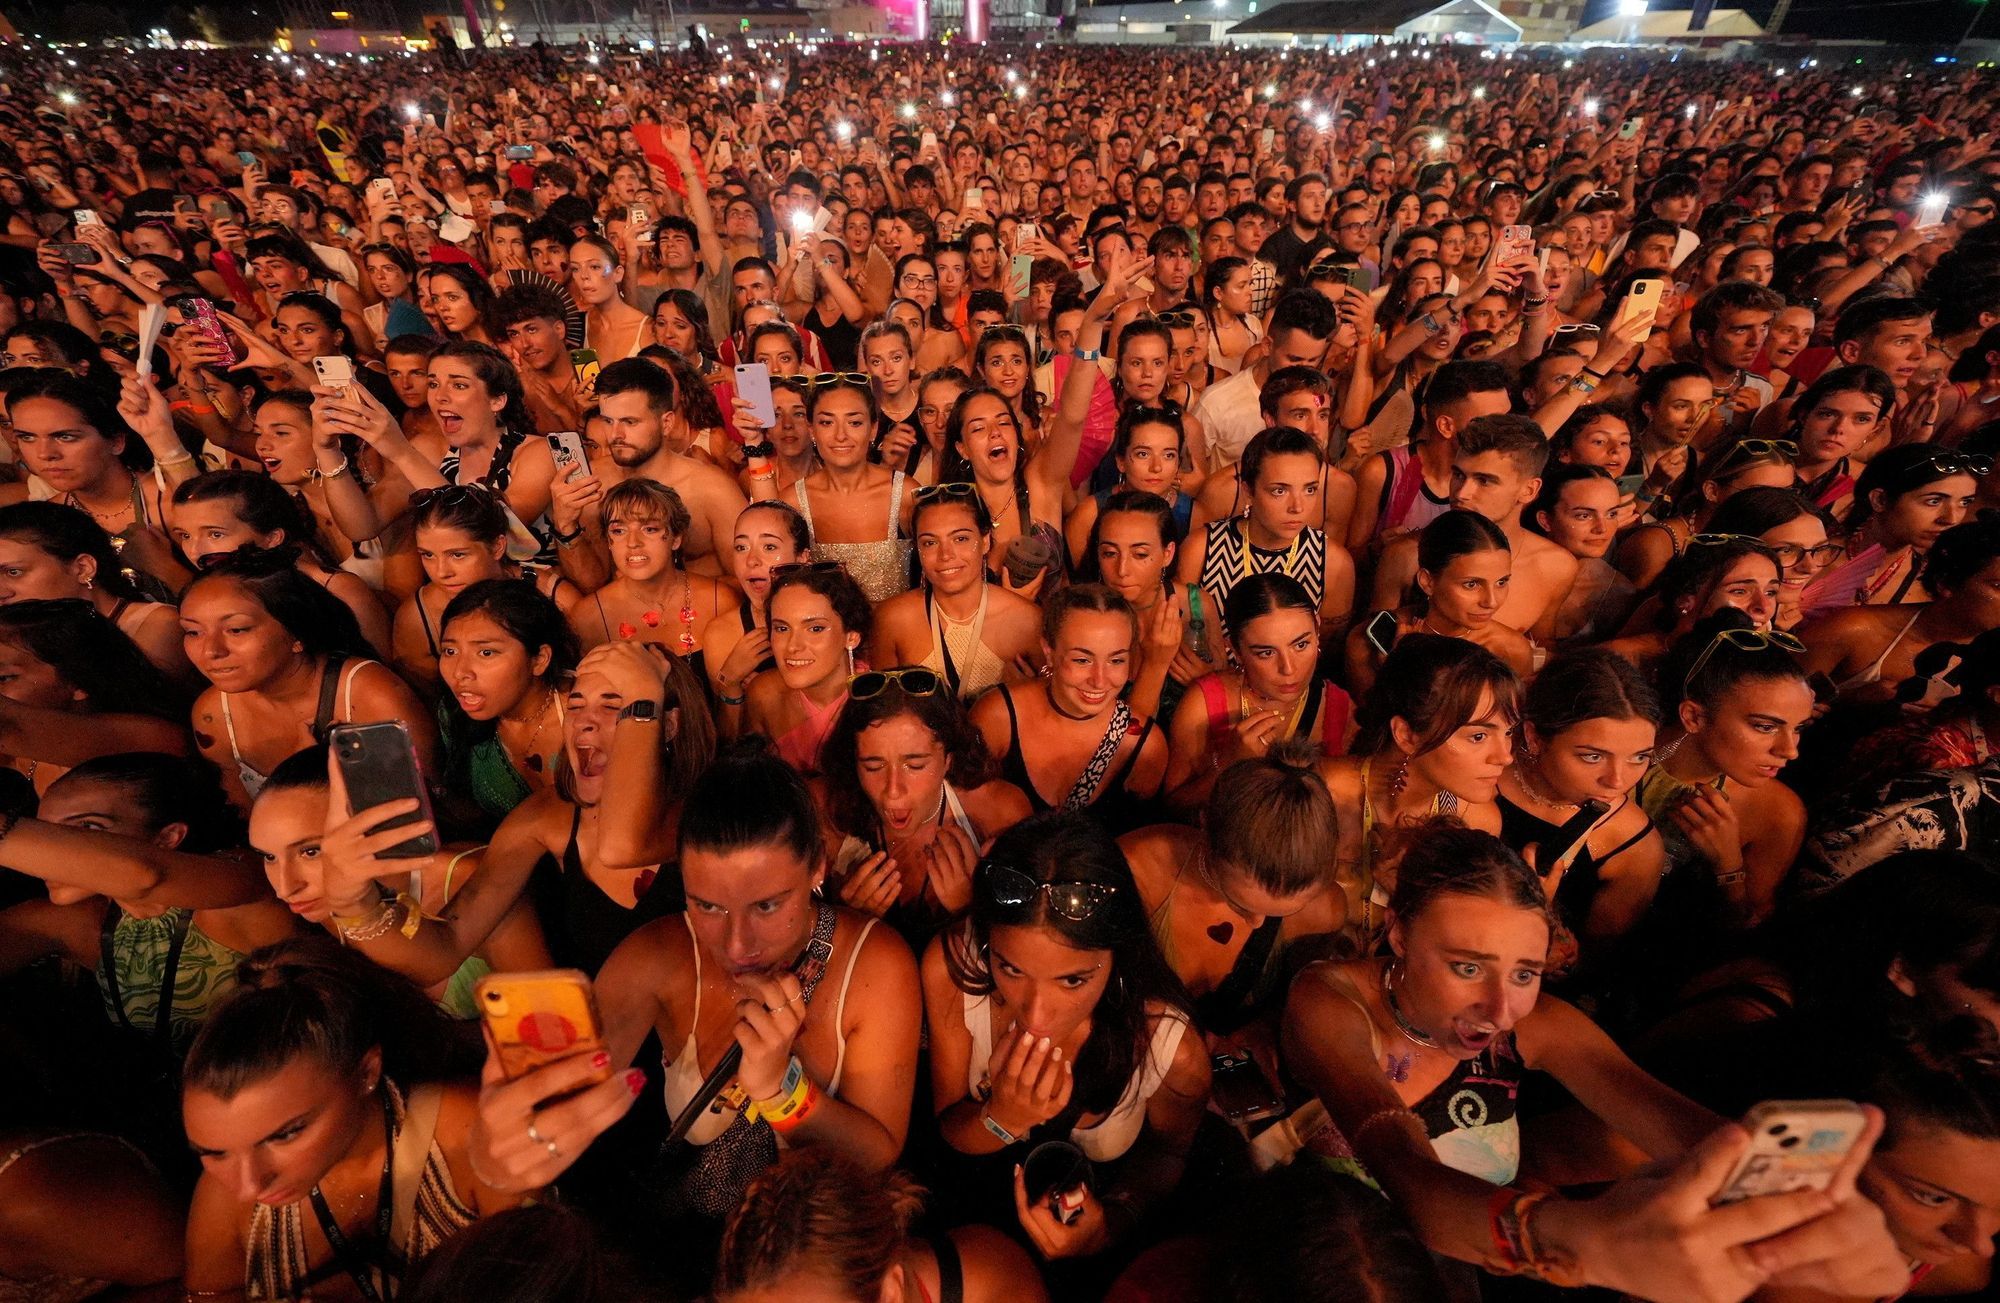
[640,712]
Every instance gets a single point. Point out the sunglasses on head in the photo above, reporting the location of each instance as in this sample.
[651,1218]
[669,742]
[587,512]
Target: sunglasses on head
[1010,888]
[915,681]
[955,490]
[1955,463]
[1742,640]
[1789,554]
[446,495]
[824,379]
[1180,317]
[789,569]
[1745,449]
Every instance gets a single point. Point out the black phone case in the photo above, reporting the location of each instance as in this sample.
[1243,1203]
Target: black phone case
[379,764]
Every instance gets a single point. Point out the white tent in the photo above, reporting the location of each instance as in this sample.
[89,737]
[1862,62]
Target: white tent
[1671,25]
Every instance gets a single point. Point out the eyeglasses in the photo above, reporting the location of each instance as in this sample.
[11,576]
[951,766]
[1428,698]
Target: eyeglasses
[921,282]
[1012,889]
[957,490]
[915,681]
[826,379]
[1742,640]
[1789,554]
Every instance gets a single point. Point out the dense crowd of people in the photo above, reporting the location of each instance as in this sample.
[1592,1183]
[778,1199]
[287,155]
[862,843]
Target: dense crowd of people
[890,673]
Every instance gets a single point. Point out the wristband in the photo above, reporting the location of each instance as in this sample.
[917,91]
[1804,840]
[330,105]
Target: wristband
[730,701]
[1582,384]
[565,540]
[998,1132]
[1601,375]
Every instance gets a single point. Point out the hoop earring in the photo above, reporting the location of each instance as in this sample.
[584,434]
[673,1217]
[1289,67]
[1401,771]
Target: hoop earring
[1399,778]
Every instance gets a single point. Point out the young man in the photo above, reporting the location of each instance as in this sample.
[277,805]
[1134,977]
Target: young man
[532,316]
[1301,324]
[1893,335]
[639,405]
[1249,225]
[1294,245]
[1301,398]
[1729,325]
[1400,490]
[1496,471]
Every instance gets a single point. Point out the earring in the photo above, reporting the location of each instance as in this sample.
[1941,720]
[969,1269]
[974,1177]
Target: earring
[850,662]
[89,584]
[1399,778]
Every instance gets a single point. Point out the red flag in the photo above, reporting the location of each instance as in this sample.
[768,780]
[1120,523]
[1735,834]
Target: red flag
[654,146]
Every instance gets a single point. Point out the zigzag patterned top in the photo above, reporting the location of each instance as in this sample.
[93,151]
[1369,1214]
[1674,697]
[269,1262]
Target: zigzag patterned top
[1231,558]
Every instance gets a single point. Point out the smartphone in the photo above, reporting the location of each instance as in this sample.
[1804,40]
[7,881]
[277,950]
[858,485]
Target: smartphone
[202,318]
[1356,278]
[566,446]
[1381,631]
[378,762]
[1641,304]
[1025,232]
[1515,242]
[639,216]
[1241,1091]
[725,156]
[78,255]
[1024,266]
[975,197]
[334,371]
[246,158]
[753,386]
[929,143]
[85,217]
[1628,485]
[1795,1144]
[1264,139]
[1929,213]
[583,361]
[1630,128]
[520,153]
[535,1018]
[218,210]
[1562,849]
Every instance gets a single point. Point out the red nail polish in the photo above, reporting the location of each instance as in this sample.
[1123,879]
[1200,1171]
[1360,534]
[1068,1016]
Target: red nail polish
[601,1059]
[635,1079]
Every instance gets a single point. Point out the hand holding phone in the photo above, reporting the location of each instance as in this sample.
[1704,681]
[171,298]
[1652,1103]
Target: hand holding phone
[566,448]
[335,372]
[537,1018]
[1794,1145]
[378,765]
[753,386]
[1380,632]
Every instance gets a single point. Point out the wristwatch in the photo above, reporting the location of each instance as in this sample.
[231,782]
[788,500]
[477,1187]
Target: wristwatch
[640,712]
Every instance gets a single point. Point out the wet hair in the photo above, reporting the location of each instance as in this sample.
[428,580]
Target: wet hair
[1727,667]
[967,763]
[162,789]
[850,604]
[497,374]
[311,997]
[1259,595]
[1277,441]
[1455,533]
[1895,471]
[1072,598]
[67,533]
[91,655]
[528,617]
[260,503]
[321,623]
[1450,860]
[1960,553]
[1433,684]
[1272,817]
[747,797]
[820,1211]
[795,523]
[523,1255]
[1064,847]
[1587,684]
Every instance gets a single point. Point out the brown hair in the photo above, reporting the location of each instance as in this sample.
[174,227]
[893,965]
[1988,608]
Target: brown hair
[821,1212]
[1273,817]
[1059,605]
[1433,684]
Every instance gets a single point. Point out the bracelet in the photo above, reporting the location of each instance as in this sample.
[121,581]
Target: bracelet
[387,918]
[1085,354]
[345,466]
[185,459]
[727,700]
[187,405]
[1503,1217]
[1582,384]
[1601,375]
[564,540]
[1399,1113]
[1553,1268]
[998,1132]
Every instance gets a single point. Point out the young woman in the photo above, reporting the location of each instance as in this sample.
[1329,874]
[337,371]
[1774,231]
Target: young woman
[1225,297]
[650,599]
[392,274]
[312,1089]
[1077,736]
[818,618]
[127,846]
[1463,568]
[1272,694]
[1795,531]
[1871,651]
[910,795]
[1419,1056]
[757,962]
[680,322]
[1746,464]
[937,393]
[1235,902]
[73,440]
[820,1226]
[1714,574]
[1282,470]
[1836,417]
[1433,737]
[282,265]
[461,303]
[286,661]
[612,326]
[1003,362]
[889,360]
[504,658]
[1049,1005]
[863,517]
[1131,550]
[736,645]
[1589,723]
[966,630]
[1150,451]
[220,513]
[461,540]
[72,687]
[1021,494]
[1731,830]
[50,552]
[335,490]
[1909,495]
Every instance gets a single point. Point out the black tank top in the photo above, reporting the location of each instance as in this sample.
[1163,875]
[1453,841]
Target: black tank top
[582,924]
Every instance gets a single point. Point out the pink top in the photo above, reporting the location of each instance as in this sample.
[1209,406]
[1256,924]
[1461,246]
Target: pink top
[800,746]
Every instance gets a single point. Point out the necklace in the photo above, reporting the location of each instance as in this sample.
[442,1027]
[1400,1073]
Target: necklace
[532,756]
[1409,1029]
[1536,792]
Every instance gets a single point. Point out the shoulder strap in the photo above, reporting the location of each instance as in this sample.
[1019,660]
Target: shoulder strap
[329,690]
[413,1149]
[1021,508]
[1099,764]
[951,1272]
[1408,473]
[895,505]
[1216,698]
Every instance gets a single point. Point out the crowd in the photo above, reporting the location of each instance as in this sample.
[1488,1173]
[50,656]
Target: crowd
[893,674]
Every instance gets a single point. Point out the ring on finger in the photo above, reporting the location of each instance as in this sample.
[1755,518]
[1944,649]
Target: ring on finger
[543,1141]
